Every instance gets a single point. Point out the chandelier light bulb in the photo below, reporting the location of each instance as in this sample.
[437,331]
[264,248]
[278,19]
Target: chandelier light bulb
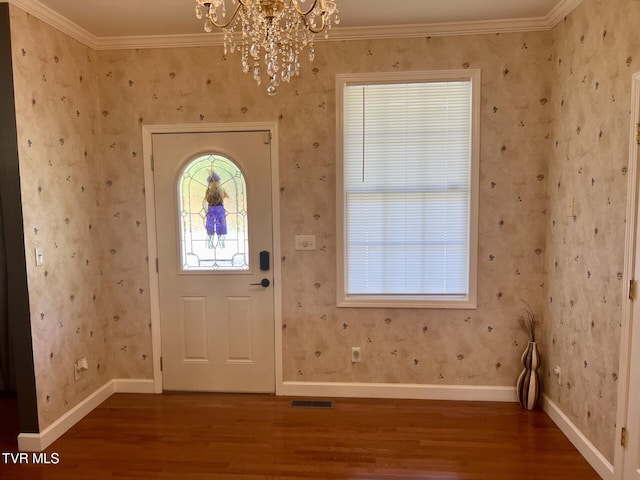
[272,33]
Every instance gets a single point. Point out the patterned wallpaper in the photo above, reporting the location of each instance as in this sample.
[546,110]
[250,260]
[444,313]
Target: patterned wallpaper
[527,127]
[596,50]
[481,347]
[56,94]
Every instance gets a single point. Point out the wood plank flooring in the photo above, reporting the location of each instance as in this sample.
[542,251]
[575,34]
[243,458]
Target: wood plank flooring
[232,437]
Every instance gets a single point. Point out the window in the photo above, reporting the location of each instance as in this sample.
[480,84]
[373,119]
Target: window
[408,189]
[213,215]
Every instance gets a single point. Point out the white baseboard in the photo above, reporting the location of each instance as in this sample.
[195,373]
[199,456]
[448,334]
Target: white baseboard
[400,391]
[37,442]
[591,454]
[129,385]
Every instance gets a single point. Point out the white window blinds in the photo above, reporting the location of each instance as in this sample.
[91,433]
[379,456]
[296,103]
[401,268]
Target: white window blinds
[407,188]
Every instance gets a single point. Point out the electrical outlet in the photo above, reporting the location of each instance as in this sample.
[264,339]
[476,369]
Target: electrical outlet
[355,355]
[558,373]
[80,366]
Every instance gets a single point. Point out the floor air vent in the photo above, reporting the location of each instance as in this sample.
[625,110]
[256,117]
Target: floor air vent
[312,403]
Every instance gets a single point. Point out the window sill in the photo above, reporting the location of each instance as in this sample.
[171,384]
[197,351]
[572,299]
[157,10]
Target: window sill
[364,301]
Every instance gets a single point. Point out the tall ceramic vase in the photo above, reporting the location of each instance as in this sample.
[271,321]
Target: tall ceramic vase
[528,384]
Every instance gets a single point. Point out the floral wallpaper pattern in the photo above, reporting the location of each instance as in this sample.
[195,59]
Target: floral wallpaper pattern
[554,107]
[596,51]
[480,347]
[58,134]
[91,290]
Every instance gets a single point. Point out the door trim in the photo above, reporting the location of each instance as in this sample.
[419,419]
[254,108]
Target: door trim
[152,245]
[630,261]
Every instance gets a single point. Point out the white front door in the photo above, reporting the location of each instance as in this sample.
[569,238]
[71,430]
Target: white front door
[214,234]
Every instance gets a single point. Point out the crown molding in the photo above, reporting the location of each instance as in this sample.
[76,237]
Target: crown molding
[336,35]
[44,13]
[564,8]
[40,11]
[159,41]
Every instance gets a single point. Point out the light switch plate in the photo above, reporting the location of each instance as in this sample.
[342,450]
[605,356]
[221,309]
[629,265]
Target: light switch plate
[39,252]
[305,242]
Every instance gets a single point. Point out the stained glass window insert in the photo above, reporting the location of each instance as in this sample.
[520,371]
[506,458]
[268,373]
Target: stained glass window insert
[213,216]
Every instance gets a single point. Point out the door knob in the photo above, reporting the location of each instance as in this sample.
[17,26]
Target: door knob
[263,283]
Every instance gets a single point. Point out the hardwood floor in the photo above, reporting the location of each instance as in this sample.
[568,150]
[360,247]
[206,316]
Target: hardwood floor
[232,437]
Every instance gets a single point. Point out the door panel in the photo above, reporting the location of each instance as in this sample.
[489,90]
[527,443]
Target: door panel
[194,319]
[217,321]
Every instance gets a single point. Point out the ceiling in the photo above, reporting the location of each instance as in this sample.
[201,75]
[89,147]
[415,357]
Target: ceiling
[140,18]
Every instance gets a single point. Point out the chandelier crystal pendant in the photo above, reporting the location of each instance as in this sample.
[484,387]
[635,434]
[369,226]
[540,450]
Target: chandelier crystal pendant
[270,34]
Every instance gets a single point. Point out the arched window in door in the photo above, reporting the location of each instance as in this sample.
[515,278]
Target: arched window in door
[213,215]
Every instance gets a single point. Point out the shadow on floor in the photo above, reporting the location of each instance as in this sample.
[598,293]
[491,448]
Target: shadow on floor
[9,423]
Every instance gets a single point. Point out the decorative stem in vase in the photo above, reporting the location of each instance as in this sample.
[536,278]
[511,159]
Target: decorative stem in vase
[528,383]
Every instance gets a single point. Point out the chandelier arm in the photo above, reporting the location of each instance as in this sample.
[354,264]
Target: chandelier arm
[323,25]
[302,12]
[241,3]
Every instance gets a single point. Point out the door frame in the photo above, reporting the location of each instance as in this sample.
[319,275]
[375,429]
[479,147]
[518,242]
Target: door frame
[152,245]
[632,242]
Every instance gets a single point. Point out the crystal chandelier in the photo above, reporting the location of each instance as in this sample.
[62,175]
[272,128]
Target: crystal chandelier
[271,33]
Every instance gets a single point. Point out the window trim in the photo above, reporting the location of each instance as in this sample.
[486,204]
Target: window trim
[468,301]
